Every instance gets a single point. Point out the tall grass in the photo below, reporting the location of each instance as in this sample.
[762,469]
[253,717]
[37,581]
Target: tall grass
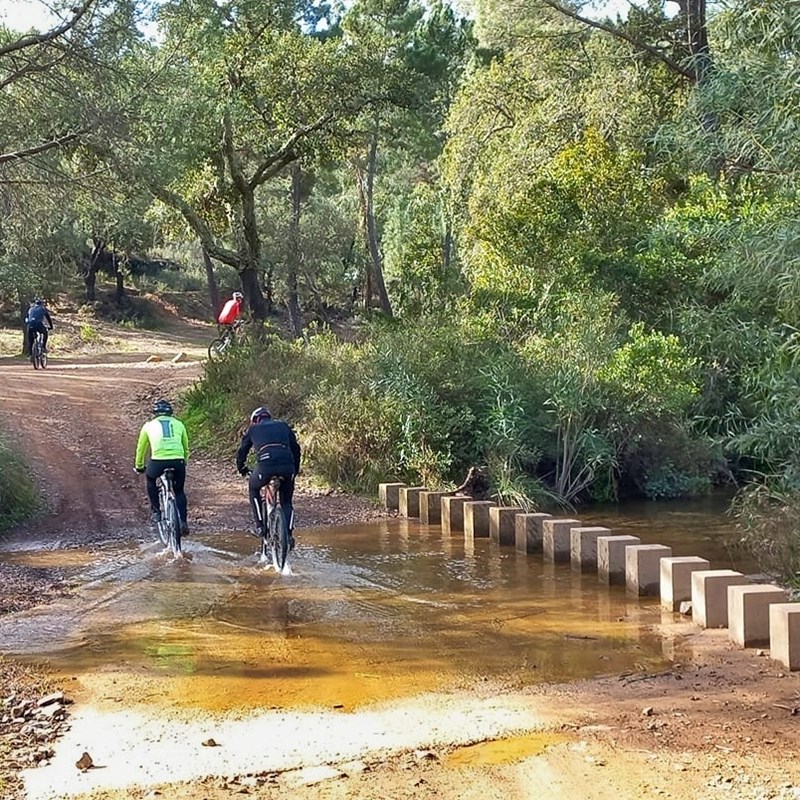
[19,497]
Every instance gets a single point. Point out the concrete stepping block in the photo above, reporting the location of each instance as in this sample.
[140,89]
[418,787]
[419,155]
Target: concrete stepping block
[643,568]
[409,500]
[583,547]
[389,495]
[676,579]
[502,525]
[557,539]
[710,596]
[453,513]
[611,557]
[748,613]
[476,519]
[784,634]
[528,533]
[430,507]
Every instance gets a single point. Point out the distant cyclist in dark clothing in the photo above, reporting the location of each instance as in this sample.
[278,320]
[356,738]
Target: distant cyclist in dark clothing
[277,454]
[35,319]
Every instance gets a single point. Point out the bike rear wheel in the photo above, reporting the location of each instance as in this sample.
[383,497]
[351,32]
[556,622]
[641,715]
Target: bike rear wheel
[278,538]
[163,531]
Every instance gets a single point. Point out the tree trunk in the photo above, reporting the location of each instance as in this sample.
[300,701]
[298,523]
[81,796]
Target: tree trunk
[252,293]
[213,288]
[118,277]
[269,286]
[694,13]
[366,280]
[373,244]
[251,258]
[90,268]
[447,248]
[23,312]
[295,256]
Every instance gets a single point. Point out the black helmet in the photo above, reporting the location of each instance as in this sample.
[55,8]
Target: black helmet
[38,301]
[262,412]
[161,407]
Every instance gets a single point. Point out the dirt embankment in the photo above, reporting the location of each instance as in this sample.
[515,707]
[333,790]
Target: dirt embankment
[720,723]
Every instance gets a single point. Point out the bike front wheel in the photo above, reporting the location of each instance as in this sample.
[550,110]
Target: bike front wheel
[217,348]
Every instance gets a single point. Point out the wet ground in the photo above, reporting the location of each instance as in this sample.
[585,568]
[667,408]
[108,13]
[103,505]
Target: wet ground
[373,612]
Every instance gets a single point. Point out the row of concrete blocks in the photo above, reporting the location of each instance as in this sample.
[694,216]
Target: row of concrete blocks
[755,614]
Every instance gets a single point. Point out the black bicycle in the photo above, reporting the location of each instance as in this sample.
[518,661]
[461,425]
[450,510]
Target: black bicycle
[218,346]
[169,528]
[275,538]
[38,353]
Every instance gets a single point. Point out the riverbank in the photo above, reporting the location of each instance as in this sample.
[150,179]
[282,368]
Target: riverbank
[722,725]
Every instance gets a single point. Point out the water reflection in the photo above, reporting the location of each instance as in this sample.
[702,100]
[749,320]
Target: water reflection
[374,612]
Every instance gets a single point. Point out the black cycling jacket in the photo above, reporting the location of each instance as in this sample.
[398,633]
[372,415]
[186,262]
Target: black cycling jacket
[274,443]
[38,314]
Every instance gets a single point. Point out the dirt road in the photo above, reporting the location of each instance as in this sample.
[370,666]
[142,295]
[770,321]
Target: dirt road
[716,723]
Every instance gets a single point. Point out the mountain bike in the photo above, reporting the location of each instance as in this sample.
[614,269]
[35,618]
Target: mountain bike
[169,528]
[276,541]
[228,338]
[38,354]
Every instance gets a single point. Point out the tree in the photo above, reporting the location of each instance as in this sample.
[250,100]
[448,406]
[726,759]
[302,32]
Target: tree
[257,93]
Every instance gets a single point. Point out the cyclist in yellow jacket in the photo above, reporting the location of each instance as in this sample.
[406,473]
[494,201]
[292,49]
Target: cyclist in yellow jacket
[166,437]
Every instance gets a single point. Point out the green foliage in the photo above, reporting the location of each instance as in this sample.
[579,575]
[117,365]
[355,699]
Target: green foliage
[422,278]
[769,525]
[88,333]
[19,497]
[558,418]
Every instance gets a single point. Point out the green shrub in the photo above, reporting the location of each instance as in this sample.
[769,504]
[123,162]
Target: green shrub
[769,525]
[19,497]
[88,333]
[562,415]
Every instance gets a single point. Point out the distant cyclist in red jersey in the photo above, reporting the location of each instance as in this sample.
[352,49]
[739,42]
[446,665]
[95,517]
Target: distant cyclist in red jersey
[231,311]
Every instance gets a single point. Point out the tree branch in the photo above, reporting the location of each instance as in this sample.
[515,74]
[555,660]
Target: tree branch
[686,72]
[274,163]
[28,69]
[41,148]
[42,38]
[230,257]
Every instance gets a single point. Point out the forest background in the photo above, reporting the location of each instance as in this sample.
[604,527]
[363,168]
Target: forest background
[518,235]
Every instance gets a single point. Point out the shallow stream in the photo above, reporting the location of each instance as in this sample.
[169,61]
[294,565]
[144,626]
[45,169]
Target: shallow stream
[373,612]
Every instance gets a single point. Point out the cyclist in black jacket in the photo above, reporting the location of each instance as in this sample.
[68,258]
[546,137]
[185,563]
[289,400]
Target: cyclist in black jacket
[35,319]
[277,454]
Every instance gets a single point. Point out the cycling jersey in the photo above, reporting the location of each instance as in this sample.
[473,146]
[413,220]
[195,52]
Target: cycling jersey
[274,442]
[37,315]
[166,436]
[230,313]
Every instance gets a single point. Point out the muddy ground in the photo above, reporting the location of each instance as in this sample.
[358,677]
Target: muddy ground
[718,723]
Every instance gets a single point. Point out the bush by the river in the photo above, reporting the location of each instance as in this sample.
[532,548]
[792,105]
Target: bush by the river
[566,412]
[19,497]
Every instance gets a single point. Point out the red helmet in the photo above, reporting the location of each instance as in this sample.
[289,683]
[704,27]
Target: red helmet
[261,413]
